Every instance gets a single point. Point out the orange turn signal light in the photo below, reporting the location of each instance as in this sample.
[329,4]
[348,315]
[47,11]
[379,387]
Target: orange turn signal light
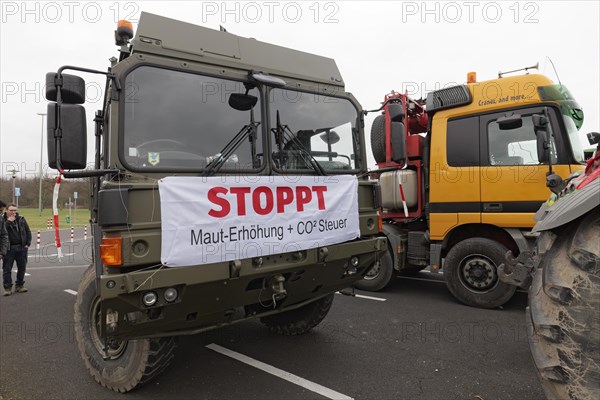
[380,221]
[111,251]
[472,77]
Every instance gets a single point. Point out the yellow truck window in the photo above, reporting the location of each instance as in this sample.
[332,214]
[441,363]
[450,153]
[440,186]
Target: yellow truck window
[462,146]
[515,146]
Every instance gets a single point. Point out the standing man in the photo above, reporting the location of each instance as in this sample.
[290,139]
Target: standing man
[19,236]
[4,243]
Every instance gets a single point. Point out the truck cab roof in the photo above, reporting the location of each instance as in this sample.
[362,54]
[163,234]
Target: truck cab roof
[167,37]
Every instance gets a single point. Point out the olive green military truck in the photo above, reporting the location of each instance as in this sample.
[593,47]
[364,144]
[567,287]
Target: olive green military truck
[228,183]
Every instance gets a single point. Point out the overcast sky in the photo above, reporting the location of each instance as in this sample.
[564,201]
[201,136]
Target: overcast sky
[378,46]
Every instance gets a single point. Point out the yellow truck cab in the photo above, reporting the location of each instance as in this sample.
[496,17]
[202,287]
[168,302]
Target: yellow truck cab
[463,174]
[480,174]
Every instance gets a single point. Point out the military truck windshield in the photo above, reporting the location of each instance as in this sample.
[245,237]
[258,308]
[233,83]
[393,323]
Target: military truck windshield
[175,120]
[308,127]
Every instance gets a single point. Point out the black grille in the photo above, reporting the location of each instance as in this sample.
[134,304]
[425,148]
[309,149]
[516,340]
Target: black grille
[418,248]
[447,98]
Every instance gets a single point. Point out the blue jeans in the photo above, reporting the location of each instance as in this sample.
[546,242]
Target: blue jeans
[18,254]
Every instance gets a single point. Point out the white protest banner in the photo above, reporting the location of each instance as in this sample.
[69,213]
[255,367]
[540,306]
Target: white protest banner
[216,219]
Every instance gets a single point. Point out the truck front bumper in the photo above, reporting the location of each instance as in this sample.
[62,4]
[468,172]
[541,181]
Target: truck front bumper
[213,295]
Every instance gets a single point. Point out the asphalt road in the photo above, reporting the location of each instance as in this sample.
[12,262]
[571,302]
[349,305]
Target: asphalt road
[412,341]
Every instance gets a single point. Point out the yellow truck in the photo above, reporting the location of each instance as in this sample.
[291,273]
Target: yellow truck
[463,173]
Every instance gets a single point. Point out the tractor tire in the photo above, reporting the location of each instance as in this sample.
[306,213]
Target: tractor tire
[130,363]
[471,273]
[301,320]
[379,276]
[563,317]
[378,138]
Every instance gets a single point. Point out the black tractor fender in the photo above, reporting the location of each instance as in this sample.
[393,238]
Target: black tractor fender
[568,207]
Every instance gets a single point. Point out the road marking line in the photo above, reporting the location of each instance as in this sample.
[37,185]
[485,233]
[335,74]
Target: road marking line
[65,244]
[50,255]
[15,271]
[60,267]
[74,293]
[313,387]
[370,297]
[365,297]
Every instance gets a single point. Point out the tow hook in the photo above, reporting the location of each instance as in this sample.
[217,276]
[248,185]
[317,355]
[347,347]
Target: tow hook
[276,284]
[517,271]
[112,318]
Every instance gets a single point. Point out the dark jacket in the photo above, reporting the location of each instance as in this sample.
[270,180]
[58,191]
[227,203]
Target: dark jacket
[4,243]
[21,227]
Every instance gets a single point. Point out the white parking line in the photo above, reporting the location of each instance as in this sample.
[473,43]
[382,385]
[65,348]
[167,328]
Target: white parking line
[313,387]
[74,293]
[366,297]
[50,255]
[59,267]
[15,271]
[370,297]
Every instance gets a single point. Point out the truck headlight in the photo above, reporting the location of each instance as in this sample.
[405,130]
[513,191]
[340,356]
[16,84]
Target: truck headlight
[149,299]
[171,295]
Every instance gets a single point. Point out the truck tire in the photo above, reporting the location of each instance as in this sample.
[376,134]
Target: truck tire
[131,363]
[379,276]
[378,138]
[300,320]
[471,273]
[563,316]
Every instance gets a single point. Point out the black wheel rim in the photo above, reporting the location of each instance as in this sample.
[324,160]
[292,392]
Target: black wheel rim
[374,271]
[115,348]
[478,273]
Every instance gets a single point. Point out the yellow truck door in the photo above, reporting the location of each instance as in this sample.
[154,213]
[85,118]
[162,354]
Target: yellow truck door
[513,181]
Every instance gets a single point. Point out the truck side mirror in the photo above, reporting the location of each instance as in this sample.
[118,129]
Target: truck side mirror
[540,126]
[242,102]
[73,142]
[398,142]
[593,138]
[330,137]
[396,112]
[510,121]
[72,89]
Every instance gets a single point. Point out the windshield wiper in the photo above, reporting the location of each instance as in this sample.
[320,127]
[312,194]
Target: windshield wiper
[283,131]
[248,131]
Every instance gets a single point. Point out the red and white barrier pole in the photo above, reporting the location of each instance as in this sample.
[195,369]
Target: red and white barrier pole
[49,223]
[39,236]
[72,234]
[55,211]
[85,232]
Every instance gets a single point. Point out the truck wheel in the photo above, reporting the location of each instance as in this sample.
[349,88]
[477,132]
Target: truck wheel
[128,364]
[563,316]
[379,275]
[378,138]
[471,273]
[300,320]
